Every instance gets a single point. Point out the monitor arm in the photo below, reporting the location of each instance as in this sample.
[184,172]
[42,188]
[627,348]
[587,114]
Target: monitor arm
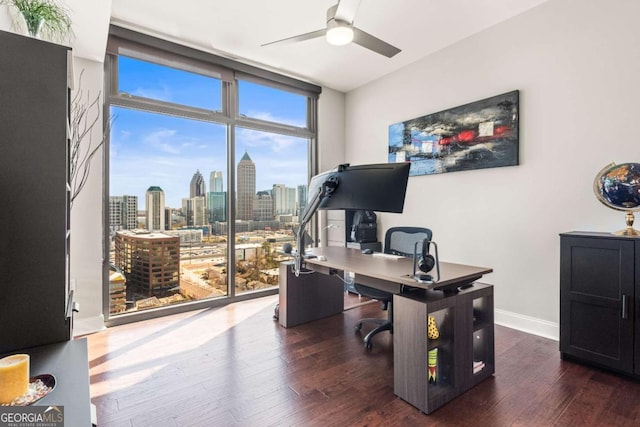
[324,191]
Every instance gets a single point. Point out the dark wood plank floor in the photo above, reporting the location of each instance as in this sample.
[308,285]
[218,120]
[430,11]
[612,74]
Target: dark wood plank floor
[235,366]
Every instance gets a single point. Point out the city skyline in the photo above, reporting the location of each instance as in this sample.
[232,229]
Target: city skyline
[179,205]
[150,149]
[167,160]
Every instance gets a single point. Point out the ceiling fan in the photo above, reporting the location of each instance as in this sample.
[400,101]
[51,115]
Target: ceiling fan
[340,31]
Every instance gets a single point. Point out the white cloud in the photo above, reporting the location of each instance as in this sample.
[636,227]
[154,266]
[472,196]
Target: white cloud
[275,142]
[263,115]
[162,93]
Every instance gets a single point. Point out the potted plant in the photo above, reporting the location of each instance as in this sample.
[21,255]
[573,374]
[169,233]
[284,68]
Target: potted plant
[43,17]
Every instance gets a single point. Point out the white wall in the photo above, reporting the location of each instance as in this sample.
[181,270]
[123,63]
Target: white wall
[576,65]
[331,117]
[86,215]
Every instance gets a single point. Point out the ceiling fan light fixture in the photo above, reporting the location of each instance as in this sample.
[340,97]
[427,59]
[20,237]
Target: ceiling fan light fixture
[339,35]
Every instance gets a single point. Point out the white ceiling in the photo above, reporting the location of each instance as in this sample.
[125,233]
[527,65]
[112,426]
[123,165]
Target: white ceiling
[237,28]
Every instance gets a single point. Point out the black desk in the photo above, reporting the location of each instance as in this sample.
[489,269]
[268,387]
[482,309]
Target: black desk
[67,361]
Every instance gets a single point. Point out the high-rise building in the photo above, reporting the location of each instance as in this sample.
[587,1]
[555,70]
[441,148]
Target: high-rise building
[217,203]
[194,210]
[290,200]
[150,261]
[168,218]
[246,187]
[115,213]
[284,199]
[130,212]
[199,211]
[123,211]
[197,187]
[155,208]
[215,182]
[279,199]
[302,199]
[263,206]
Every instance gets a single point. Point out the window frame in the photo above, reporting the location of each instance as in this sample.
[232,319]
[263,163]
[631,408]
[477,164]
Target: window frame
[143,47]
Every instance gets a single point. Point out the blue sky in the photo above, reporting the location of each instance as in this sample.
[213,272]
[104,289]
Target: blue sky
[152,149]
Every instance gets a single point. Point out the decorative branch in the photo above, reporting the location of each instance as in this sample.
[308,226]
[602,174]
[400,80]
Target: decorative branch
[85,114]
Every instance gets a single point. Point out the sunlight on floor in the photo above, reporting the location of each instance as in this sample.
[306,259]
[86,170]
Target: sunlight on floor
[137,351]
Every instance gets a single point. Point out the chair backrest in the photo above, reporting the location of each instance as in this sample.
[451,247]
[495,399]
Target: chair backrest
[401,240]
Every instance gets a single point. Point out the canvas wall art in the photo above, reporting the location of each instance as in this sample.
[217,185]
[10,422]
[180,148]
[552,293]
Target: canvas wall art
[482,134]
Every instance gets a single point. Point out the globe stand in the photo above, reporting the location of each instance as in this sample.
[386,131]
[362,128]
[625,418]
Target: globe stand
[629,231]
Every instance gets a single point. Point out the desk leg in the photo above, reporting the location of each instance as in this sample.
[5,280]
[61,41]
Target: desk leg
[308,297]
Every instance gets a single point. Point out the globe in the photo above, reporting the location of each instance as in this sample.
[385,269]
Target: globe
[618,187]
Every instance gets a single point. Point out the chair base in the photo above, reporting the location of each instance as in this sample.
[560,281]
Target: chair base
[383,325]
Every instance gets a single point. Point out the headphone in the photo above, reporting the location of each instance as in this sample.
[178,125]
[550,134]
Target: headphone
[426,261]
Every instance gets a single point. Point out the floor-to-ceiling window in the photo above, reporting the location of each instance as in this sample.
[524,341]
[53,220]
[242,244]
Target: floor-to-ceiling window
[207,170]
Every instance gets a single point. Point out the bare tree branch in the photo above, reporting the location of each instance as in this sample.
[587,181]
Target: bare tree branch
[85,114]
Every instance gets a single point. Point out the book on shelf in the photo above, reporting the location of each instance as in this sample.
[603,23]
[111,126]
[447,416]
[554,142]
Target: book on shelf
[478,366]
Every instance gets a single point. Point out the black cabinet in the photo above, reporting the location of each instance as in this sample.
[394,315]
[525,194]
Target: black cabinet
[34,221]
[599,284]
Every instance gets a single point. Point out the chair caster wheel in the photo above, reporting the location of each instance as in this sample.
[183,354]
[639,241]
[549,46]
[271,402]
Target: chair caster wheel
[368,345]
[358,326]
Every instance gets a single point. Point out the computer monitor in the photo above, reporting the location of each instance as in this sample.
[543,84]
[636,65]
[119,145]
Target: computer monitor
[373,187]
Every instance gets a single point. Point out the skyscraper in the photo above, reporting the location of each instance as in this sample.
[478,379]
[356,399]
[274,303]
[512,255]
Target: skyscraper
[215,182]
[302,198]
[284,199]
[194,211]
[217,203]
[290,197]
[123,212]
[246,187]
[155,209]
[197,186]
[279,199]
[197,212]
[263,206]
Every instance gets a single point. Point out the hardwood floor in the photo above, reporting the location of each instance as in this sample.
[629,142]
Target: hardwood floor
[235,366]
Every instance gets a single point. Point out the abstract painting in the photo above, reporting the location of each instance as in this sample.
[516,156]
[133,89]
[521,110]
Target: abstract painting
[482,134]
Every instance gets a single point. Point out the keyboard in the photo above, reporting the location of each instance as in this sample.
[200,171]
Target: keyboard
[386,256]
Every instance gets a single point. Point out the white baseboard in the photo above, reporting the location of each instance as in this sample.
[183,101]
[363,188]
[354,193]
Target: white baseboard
[87,325]
[527,324]
[531,325]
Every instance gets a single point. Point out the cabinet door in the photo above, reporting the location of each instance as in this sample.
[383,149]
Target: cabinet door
[596,290]
[636,312]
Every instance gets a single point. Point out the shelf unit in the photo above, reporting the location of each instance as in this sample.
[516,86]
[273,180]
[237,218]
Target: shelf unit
[465,347]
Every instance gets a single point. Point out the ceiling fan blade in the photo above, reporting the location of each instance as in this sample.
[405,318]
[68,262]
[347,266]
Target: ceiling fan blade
[299,38]
[373,43]
[346,10]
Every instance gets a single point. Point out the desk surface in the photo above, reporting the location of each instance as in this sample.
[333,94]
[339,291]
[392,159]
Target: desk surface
[398,271]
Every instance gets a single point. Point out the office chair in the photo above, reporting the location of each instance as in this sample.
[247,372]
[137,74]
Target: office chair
[397,241]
